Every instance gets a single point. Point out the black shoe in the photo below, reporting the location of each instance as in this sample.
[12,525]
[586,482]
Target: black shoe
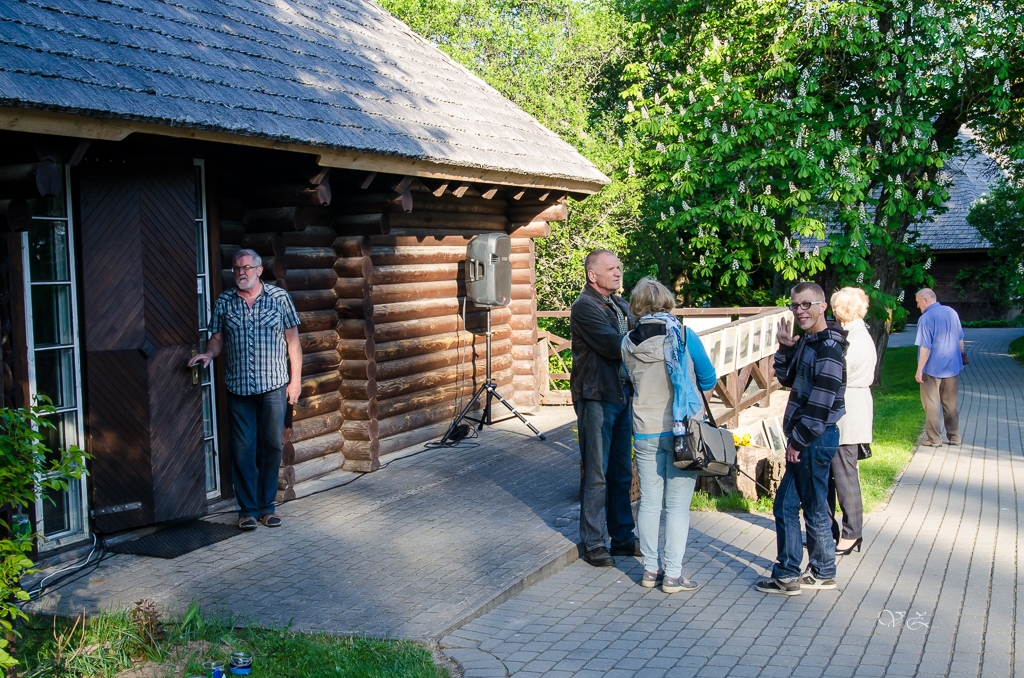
[855,546]
[630,549]
[599,557]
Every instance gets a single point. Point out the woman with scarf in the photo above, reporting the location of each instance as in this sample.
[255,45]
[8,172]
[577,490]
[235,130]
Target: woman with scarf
[667,364]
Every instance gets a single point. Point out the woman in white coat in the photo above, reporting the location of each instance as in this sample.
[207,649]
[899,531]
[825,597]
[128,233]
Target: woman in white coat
[849,305]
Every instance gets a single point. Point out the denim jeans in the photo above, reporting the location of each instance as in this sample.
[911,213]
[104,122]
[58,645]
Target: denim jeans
[661,482]
[605,431]
[257,423]
[805,485]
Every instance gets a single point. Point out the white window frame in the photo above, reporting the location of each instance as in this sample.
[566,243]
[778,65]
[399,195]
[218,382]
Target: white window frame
[79,506]
[204,220]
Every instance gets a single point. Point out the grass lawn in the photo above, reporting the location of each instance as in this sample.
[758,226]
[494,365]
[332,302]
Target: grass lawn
[1017,350]
[899,420]
[110,643]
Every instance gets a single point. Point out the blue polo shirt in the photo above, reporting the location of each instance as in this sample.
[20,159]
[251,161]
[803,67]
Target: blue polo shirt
[939,331]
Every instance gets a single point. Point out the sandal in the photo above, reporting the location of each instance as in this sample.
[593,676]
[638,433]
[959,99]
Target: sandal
[247,523]
[271,520]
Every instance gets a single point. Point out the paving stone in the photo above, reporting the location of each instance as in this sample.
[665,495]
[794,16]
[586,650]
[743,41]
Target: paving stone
[480,520]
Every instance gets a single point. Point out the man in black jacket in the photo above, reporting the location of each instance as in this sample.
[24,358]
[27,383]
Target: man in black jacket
[601,396]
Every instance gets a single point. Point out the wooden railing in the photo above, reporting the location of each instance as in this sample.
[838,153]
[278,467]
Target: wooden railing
[740,342]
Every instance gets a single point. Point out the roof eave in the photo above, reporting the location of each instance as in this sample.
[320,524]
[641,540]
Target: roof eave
[38,121]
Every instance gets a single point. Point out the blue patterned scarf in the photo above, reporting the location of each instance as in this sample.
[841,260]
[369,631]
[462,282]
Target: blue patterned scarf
[686,401]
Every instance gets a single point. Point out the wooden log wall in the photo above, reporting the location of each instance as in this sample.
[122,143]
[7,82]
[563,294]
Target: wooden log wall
[412,346]
[392,349]
[300,261]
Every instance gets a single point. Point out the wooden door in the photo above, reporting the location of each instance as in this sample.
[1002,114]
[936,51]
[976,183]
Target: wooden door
[143,411]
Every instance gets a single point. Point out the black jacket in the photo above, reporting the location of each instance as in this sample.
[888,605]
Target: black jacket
[815,370]
[596,354]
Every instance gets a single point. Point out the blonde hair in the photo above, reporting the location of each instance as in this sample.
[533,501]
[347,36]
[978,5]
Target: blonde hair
[849,303]
[650,296]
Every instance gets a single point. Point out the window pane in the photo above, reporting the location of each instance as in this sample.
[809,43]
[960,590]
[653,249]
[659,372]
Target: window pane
[48,251]
[200,250]
[63,434]
[211,467]
[207,412]
[51,207]
[199,192]
[56,512]
[55,376]
[51,315]
[201,296]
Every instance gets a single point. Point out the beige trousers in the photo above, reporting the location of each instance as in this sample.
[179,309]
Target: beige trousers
[938,396]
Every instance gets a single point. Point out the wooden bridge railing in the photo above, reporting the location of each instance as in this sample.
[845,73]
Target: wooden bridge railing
[740,342]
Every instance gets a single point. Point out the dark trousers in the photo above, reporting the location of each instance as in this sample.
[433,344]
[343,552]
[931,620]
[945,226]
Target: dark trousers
[939,398]
[805,485]
[605,432]
[257,423]
[844,486]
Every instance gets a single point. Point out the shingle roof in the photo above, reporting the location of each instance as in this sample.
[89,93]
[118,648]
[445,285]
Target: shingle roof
[972,175]
[338,74]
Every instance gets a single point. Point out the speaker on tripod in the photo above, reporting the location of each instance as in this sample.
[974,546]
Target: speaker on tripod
[488,284]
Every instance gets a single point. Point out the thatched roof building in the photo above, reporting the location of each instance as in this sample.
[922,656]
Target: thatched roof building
[144,142]
[343,79]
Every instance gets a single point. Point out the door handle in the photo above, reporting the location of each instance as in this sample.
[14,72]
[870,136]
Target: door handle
[195,369]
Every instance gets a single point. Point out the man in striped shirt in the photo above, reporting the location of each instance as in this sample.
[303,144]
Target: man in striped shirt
[814,369]
[258,325]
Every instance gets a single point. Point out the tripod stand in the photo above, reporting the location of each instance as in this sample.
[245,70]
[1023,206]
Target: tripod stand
[491,388]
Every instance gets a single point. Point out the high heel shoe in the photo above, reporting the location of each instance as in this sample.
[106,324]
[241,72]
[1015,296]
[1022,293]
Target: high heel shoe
[854,546]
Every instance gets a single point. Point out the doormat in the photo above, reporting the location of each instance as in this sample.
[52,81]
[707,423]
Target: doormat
[177,540]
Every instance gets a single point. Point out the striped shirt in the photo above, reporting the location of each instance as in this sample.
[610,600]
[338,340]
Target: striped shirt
[816,372]
[257,353]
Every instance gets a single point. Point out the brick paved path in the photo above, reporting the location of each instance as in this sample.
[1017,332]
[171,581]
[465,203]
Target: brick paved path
[941,558]
[412,550]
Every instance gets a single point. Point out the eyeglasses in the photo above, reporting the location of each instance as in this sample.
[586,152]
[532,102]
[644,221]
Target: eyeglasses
[804,305]
[239,269]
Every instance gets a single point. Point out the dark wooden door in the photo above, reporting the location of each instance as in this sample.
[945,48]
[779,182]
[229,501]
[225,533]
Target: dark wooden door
[143,412]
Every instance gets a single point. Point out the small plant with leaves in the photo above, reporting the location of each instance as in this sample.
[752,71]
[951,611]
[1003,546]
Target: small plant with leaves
[28,466]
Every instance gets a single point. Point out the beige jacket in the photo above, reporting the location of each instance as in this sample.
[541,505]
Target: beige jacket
[855,427]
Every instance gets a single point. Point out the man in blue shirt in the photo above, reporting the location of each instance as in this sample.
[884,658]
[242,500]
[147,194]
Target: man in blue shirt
[258,325]
[940,341]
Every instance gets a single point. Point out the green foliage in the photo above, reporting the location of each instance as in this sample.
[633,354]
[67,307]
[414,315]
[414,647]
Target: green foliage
[111,642]
[766,124]
[557,60]
[1017,350]
[27,465]
[999,217]
[729,503]
[899,420]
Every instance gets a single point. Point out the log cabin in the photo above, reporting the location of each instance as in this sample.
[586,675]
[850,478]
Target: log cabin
[142,144]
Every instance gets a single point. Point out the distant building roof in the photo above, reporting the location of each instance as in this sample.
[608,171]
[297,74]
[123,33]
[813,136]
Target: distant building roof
[327,74]
[972,175]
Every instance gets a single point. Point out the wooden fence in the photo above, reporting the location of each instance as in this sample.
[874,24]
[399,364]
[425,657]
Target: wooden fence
[740,342]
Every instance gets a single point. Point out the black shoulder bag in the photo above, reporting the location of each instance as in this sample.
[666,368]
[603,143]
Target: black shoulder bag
[705,449]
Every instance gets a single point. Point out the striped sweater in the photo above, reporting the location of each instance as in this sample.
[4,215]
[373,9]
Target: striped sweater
[815,371]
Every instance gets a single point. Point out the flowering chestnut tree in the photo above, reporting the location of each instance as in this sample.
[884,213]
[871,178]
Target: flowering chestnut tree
[782,138]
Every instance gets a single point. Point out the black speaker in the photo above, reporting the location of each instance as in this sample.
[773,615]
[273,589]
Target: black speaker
[488,270]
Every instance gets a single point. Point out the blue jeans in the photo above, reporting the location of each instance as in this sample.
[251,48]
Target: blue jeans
[805,485]
[661,481]
[605,431]
[257,423]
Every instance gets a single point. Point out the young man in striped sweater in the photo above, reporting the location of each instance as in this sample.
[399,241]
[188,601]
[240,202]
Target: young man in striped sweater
[814,369]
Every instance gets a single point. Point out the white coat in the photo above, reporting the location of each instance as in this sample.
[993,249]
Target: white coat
[855,427]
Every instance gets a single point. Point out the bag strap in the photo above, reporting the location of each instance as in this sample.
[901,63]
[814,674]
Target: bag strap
[707,409]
